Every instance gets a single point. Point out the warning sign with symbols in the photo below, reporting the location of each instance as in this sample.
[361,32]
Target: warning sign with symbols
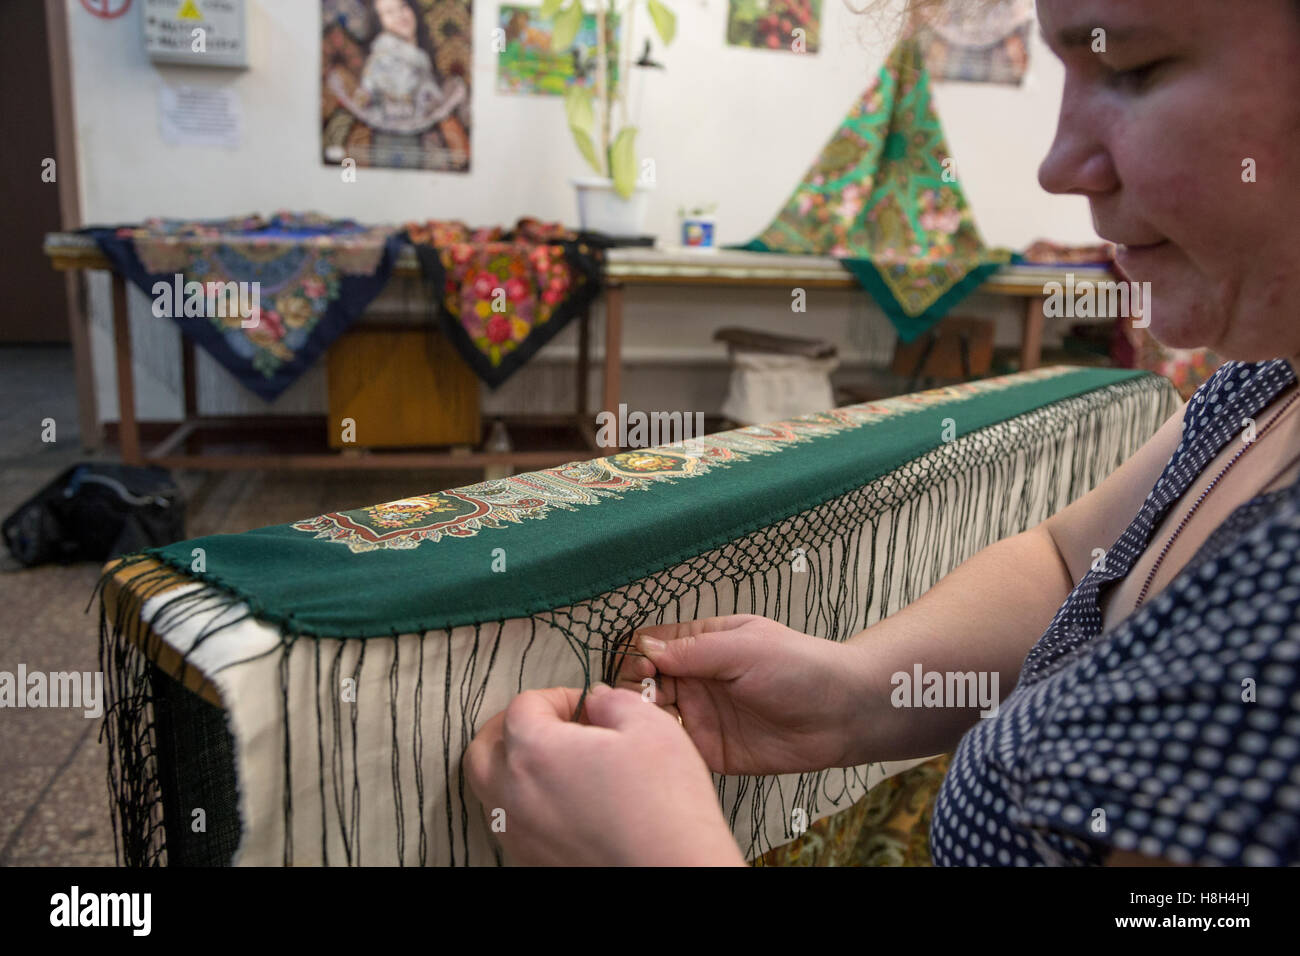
[195,32]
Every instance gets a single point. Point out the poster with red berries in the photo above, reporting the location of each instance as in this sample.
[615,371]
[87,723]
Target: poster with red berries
[790,25]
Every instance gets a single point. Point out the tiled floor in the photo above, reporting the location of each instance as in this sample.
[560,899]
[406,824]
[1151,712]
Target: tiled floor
[53,770]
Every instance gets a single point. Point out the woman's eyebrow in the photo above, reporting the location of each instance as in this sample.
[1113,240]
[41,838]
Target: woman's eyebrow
[1084,34]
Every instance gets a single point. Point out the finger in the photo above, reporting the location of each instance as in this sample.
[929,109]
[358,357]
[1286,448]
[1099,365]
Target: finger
[619,709]
[635,663]
[704,649]
[485,755]
[667,689]
[659,690]
[637,684]
[672,711]
[633,666]
[703,625]
[539,711]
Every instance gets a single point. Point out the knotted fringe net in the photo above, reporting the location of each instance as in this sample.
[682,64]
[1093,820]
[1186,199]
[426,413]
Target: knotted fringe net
[292,772]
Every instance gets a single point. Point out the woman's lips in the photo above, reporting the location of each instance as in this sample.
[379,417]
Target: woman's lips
[1131,259]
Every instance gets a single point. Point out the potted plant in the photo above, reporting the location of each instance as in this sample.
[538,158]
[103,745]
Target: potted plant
[612,202]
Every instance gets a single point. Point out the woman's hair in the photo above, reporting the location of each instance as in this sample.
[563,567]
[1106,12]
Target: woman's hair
[908,6]
[907,9]
[902,15]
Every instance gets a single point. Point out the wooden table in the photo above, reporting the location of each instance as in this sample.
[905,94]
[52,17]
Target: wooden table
[688,267]
[72,251]
[625,267]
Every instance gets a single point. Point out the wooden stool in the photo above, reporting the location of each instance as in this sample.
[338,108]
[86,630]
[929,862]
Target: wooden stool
[957,349]
[776,377]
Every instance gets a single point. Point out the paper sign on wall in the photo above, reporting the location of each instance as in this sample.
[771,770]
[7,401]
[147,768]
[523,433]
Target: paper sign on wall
[196,32]
[199,116]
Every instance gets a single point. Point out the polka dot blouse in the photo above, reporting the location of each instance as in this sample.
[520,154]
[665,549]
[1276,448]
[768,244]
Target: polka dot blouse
[1176,734]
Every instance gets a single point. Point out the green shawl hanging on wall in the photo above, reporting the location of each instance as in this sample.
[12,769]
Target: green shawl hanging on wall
[884,198]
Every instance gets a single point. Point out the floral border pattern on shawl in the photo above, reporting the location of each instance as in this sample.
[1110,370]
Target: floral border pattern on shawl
[463,512]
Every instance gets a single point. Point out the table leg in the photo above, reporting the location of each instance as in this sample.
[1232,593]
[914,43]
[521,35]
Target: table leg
[1031,337]
[190,380]
[79,334]
[584,360]
[613,347]
[128,429]
[190,384]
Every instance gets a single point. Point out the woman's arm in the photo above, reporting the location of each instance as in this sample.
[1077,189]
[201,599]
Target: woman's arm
[983,616]
[988,613]
[758,697]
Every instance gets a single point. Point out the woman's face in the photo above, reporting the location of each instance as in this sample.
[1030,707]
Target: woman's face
[397,17]
[1162,132]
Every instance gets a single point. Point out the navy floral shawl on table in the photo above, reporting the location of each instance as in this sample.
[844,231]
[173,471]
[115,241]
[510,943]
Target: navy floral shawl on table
[307,278]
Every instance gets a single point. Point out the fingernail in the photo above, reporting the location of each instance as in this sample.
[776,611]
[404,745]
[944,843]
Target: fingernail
[597,688]
[650,646]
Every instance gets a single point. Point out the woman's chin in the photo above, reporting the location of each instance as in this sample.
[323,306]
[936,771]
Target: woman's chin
[1182,324]
[1173,335]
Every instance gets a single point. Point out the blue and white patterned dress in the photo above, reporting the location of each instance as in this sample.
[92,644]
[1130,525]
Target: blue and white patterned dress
[1176,734]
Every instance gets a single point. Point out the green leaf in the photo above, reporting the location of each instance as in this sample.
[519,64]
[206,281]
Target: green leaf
[588,150]
[567,24]
[549,7]
[582,123]
[665,21]
[578,108]
[622,161]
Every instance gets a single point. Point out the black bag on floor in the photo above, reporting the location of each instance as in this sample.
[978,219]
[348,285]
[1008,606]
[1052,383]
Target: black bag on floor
[94,512]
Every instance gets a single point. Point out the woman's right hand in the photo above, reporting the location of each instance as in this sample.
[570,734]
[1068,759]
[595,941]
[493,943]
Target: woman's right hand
[755,696]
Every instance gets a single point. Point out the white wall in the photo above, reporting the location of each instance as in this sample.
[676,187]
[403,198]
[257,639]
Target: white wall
[724,124]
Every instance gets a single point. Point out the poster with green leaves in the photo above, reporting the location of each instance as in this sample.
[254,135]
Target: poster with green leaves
[526,62]
[790,25]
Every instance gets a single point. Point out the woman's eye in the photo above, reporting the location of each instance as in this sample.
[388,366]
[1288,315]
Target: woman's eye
[1135,78]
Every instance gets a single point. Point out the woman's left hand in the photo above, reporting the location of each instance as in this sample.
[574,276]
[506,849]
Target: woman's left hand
[624,787]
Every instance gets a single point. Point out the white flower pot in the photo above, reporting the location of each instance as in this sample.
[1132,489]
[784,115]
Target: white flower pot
[601,209]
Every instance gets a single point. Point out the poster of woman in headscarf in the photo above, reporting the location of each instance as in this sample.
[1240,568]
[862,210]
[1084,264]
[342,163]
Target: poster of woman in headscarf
[395,83]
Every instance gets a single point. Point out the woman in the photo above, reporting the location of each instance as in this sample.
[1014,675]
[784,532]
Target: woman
[1157,720]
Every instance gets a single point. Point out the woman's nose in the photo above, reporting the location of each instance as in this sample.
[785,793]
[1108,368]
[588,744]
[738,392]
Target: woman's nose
[1078,162]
